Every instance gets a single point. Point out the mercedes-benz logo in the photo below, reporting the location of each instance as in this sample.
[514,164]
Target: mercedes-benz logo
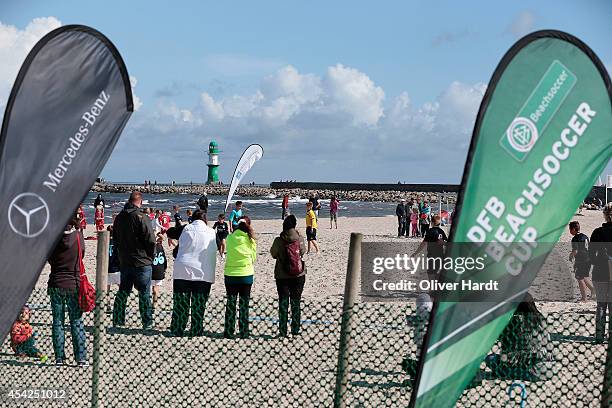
[28,215]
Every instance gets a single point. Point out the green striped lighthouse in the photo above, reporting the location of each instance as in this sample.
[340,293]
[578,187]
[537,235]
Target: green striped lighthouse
[213,163]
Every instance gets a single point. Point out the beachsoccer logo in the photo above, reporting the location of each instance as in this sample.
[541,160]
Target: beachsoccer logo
[541,106]
[522,134]
[28,215]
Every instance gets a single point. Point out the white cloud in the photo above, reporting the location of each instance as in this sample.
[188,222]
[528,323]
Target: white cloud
[343,93]
[210,108]
[336,126]
[522,24]
[355,93]
[458,106]
[15,44]
[136,99]
[289,83]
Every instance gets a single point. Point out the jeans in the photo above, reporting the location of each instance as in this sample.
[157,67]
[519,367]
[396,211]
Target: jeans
[401,226]
[289,292]
[63,300]
[140,278]
[424,229]
[189,296]
[233,290]
[603,291]
[28,348]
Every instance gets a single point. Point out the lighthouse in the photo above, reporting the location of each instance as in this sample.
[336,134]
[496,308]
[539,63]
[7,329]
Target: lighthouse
[213,163]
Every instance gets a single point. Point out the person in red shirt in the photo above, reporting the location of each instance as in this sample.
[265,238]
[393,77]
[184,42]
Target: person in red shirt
[82,219]
[99,217]
[164,223]
[23,339]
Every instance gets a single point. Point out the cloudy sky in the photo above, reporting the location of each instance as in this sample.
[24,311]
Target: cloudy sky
[334,91]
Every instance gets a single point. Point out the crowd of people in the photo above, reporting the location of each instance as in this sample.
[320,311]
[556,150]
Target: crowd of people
[413,218]
[196,245]
[138,260]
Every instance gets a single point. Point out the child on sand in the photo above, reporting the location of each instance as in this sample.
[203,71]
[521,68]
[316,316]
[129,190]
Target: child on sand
[99,217]
[23,339]
[580,256]
[222,231]
[160,264]
[189,214]
[311,227]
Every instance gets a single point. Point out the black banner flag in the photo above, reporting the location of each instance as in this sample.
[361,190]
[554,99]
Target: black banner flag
[70,102]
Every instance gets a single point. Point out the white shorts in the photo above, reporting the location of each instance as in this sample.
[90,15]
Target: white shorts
[114,278]
[157,282]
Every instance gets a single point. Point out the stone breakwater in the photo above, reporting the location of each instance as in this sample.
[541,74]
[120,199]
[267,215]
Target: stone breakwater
[259,191]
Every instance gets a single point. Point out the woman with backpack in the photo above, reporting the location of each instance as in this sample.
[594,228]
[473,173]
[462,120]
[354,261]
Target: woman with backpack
[290,274]
[241,254]
[63,287]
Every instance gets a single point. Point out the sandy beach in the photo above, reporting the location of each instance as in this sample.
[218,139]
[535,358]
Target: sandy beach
[154,369]
[326,270]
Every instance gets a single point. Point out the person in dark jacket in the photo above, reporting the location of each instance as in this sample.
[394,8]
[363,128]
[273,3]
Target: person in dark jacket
[63,287]
[99,201]
[400,211]
[203,203]
[407,214]
[289,286]
[600,255]
[134,238]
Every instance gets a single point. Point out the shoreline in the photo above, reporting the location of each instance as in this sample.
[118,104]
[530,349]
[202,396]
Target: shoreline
[385,196]
[327,270]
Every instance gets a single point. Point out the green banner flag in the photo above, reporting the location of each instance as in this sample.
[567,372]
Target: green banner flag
[541,138]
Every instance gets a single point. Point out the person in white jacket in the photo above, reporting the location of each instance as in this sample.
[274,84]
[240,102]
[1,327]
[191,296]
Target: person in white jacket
[194,274]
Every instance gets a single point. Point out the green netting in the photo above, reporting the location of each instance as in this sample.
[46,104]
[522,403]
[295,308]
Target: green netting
[150,368]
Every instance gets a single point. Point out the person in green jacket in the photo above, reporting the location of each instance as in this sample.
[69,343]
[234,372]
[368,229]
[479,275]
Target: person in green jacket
[241,254]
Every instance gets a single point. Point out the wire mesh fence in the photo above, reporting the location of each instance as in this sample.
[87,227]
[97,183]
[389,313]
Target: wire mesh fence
[152,368]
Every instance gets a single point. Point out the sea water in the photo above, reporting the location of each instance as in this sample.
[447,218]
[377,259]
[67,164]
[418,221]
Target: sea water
[255,207]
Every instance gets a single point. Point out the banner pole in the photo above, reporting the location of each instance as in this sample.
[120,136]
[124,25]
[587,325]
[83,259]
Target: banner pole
[99,315]
[350,294]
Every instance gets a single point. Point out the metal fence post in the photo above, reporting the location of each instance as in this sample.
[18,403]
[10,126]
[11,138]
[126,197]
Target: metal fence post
[350,294]
[99,315]
[606,392]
